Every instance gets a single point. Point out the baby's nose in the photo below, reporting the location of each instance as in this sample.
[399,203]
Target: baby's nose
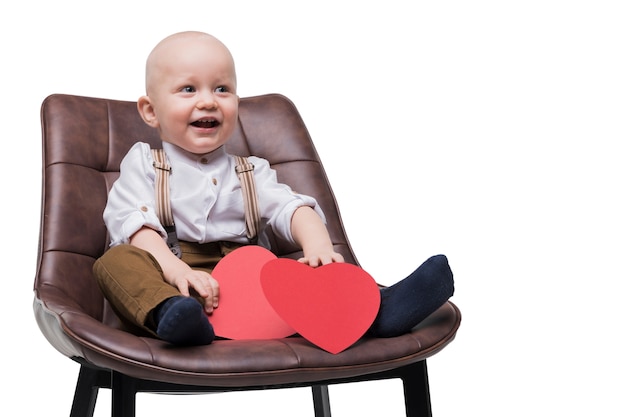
[206,101]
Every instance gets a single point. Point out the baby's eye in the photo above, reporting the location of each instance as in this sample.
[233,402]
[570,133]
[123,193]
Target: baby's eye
[188,89]
[221,89]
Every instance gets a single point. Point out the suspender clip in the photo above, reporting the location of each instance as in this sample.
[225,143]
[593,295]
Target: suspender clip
[162,166]
[244,167]
[172,241]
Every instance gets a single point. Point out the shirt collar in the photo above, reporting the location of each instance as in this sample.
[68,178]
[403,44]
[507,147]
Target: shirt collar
[178,154]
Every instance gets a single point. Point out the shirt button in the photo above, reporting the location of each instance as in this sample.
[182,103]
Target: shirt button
[204,161]
[214,181]
[144,209]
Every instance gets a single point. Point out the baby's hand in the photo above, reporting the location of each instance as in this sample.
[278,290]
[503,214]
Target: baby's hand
[318,259]
[203,283]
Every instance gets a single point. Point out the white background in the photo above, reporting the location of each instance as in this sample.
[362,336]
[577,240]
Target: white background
[491,131]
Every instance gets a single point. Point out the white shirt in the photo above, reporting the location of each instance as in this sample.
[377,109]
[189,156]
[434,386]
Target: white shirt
[205,194]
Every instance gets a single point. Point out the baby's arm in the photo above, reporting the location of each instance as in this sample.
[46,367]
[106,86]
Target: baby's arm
[310,233]
[176,272]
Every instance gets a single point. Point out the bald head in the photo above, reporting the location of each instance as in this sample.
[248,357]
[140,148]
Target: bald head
[182,46]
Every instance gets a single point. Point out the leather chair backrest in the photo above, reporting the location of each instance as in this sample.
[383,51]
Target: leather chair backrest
[84,141]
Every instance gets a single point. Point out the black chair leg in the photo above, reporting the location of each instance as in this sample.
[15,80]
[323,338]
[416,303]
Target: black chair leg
[416,390]
[321,400]
[86,392]
[123,395]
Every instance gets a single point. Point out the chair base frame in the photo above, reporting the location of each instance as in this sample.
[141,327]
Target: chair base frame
[124,389]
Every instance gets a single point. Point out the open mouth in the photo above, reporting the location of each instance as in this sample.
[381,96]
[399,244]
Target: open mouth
[206,123]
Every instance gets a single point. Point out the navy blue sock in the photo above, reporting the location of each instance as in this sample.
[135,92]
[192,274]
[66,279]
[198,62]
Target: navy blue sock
[408,302]
[182,321]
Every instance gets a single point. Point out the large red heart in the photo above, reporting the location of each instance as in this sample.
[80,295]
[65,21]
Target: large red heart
[332,306]
[244,312]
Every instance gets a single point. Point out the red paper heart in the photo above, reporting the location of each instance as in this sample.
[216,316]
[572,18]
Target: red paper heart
[244,312]
[332,306]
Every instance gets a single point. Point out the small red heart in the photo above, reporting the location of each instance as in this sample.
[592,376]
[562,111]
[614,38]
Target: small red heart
[332,306]
[244,312]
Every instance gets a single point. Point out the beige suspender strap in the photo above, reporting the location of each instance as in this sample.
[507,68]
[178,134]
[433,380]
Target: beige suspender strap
[162,193]
[162,187]
[245,171]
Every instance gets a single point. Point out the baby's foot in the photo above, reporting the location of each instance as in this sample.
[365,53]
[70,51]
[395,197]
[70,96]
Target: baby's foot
[408,302]
[182,321]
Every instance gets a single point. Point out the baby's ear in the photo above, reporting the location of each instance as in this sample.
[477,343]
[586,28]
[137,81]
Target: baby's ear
[146,111]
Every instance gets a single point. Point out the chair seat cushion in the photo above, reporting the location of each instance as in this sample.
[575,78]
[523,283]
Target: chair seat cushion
[239,363]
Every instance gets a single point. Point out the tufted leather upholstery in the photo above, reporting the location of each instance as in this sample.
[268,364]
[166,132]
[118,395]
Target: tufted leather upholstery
[84,140]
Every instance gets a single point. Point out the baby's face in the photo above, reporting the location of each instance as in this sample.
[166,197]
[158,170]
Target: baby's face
[193,91]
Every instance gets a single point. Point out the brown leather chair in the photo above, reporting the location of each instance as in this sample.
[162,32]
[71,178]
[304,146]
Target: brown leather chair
[84,140]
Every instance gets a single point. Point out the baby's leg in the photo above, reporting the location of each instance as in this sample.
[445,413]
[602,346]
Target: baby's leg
[408,302]
[132,280]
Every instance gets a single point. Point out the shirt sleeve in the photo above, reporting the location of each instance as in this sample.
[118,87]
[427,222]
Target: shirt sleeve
[278,201]
[131,201]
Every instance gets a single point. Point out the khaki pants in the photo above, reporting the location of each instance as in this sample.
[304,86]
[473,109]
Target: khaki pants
[132,280]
